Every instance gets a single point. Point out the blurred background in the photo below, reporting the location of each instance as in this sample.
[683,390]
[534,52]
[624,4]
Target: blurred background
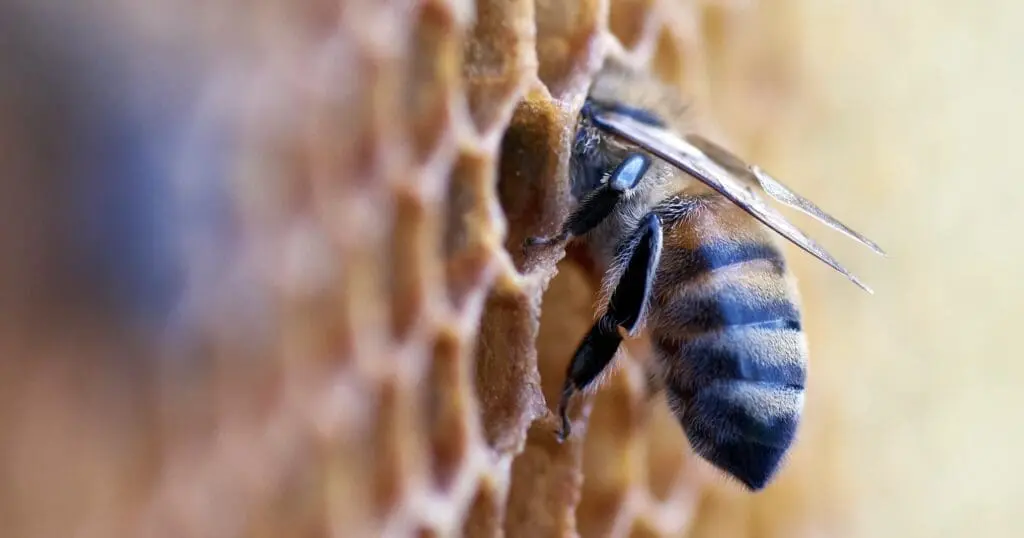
[258,273]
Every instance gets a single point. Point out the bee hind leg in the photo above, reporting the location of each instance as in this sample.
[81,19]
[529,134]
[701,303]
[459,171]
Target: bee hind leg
[599,204]
[626,310]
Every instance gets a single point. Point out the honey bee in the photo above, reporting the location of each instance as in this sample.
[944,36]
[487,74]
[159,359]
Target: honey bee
[669,218]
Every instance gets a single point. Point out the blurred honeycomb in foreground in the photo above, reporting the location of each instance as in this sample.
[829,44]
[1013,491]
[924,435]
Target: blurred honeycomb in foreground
[260,274]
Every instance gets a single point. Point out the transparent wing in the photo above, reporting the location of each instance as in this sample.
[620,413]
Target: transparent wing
[690,159]
[729,160]
[777,190]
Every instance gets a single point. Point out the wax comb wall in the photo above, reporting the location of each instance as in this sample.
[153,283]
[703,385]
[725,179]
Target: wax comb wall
[356,344]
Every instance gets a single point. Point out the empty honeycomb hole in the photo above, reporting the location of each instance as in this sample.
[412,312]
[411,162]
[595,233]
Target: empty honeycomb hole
[643,529]
[434,77]
[499,56]
[601,514]
[415,260]
[613,451]
[545,481]
[531,184]
[629,21]
[468,217]
[356,117]
[566,35]
[425,532]
[364,317]
[344,458]
[484,518]
[545,476]
[566,317]
[447,410]
[397,444]
[508,386]
[296,506]
[669,61]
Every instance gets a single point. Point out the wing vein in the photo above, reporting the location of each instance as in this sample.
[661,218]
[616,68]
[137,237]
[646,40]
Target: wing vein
[688,158]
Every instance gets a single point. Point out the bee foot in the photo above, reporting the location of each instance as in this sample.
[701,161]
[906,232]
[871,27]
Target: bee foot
[565,431]
[563,413]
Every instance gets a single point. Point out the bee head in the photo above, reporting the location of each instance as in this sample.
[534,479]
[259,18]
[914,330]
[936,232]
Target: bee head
[595,153]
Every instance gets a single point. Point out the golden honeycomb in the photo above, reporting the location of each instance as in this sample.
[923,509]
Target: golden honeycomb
[359,345]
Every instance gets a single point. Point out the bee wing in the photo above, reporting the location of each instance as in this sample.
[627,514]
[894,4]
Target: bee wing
[729,160]
[777,190]
[690,159]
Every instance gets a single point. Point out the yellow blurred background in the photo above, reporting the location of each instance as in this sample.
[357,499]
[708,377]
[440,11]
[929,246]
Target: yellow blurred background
[902,119]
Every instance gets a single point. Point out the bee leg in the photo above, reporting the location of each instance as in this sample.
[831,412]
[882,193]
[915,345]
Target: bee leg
[599,204]
[626,309]
[594,353]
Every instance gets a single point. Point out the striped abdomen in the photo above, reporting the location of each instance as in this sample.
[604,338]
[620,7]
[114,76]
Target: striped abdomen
[726,329]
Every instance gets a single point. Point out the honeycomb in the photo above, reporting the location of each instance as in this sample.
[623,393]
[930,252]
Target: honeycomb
[352,342]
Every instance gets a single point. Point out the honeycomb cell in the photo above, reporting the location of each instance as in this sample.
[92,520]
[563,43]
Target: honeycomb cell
[296,508]
[670,62]
[533,168]
[508,386]
[499,60]
[630,21]
[567,316]
[398,447]
[427,533]
[363,312]
[341,455]
[355,117]
[415,261]
[434,78]
[643,529]
[470,227]
[546,476]
[613,452]
[485,513]
[545,486]
[448,412]
[316,336]
[568,41]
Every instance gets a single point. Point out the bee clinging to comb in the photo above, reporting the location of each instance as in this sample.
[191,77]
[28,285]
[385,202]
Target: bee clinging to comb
[686,243]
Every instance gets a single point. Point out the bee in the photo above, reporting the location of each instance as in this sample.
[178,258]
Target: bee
[690,259]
